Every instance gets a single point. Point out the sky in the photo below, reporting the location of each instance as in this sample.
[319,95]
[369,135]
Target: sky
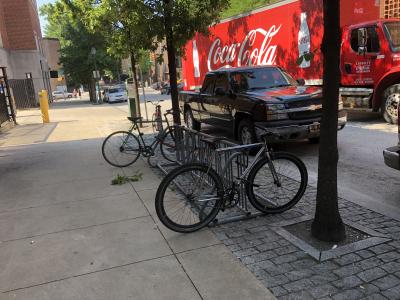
[43,20]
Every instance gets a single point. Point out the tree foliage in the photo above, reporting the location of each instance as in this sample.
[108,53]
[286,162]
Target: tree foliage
[65,23]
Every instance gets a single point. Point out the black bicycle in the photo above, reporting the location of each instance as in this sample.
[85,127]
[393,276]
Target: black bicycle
[190,196]
[123,148]
[156,119]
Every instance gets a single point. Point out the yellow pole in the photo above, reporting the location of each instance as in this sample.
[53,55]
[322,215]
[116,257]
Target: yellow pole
[44,105]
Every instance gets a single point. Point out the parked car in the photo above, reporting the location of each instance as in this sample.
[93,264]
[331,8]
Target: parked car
[115,94]
[242,98]
[61,95]
[166,89]
[391,155]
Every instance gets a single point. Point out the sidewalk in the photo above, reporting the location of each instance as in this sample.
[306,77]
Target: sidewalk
[66,233]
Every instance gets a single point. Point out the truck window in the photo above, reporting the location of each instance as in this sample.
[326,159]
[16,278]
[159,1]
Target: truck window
[392,30]
[372,40]
[208,84]
[222,82]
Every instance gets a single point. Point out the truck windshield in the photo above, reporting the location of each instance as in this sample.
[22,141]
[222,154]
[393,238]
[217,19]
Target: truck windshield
[257,79]
[392,30]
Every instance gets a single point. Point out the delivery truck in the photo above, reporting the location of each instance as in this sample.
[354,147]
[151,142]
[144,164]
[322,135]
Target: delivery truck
[289,32]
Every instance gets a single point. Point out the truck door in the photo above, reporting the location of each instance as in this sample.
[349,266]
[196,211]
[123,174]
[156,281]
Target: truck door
[219,105]
[360,68]
[206,93]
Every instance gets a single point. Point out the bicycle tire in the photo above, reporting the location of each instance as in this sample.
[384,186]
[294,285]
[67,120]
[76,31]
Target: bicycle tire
[111,158]
[168,145]
[288,184]
[174,193]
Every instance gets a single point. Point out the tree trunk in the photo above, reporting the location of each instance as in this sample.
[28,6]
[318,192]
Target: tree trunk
[135,84]
[92,90]
[169,35]
[327,224]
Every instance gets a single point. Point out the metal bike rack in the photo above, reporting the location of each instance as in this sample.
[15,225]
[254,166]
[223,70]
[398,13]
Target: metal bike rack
[191,146]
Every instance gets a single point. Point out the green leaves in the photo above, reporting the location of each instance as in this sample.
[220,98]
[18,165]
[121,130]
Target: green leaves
[122,179]
[307,56]
[66,21]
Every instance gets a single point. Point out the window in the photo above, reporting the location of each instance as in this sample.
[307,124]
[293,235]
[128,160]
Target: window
[372,40]
[261,78]
[208,85]
[222,82]
[392,31]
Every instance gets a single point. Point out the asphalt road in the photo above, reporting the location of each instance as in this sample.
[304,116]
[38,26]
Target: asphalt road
[362,175]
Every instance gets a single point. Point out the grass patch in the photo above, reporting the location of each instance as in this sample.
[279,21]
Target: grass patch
[122,179]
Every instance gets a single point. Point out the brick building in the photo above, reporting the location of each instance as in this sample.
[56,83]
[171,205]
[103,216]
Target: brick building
[51,51]
[21,48]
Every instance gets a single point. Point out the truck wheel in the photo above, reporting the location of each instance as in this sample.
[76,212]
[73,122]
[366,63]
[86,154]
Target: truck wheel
[391,100]
[190,121]
[246,132]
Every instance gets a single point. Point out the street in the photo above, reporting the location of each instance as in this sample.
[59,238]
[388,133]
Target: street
[362,175]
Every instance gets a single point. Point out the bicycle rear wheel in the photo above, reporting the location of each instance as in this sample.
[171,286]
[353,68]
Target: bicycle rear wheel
[268,195]
[189,198]
[168,145]
[121,149]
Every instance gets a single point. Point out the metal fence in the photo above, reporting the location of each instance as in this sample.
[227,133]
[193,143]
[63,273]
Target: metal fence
[7,112]
[192,146]
[24,93]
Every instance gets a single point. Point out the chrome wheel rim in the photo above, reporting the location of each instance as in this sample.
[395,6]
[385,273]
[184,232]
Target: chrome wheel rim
[392,104]
[246,136]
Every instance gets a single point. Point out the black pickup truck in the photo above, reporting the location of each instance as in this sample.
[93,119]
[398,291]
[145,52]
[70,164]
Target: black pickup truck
[242,99]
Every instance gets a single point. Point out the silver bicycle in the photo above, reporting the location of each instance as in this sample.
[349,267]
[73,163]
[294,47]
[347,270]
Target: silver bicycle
[190,196]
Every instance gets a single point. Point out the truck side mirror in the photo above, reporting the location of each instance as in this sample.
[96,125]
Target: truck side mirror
[219,91]
[301,81]
[362,40]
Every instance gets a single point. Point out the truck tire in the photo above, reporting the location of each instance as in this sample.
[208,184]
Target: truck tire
[190,121]
[390,103]
[246,132]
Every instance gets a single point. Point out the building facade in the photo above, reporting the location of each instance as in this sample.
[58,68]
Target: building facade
[51,51]
[21,44]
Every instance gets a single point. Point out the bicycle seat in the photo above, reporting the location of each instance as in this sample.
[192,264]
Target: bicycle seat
[267,135]
[134,119]
[169,111]
[212,141]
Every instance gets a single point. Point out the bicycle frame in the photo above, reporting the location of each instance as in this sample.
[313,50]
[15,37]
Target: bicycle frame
[263,151]
[160,136]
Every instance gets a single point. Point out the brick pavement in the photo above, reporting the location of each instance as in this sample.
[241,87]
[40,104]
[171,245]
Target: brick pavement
[290,273]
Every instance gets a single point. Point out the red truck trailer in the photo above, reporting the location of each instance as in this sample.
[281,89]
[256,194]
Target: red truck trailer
[280,34]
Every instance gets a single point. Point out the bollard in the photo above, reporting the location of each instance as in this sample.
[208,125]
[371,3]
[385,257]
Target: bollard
[44,105]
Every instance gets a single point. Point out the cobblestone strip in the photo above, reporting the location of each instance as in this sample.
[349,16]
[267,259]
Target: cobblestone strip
[372,273]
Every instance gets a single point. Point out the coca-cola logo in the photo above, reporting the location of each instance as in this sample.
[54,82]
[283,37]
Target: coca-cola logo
[245,53]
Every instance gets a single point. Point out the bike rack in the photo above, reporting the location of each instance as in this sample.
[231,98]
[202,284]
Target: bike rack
[191,146]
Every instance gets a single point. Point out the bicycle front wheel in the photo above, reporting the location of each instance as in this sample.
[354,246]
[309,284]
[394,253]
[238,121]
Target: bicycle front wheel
[121,149]
[189,198]
[168,145]
[276,186]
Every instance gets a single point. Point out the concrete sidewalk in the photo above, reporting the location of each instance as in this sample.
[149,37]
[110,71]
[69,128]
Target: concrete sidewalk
[67,233]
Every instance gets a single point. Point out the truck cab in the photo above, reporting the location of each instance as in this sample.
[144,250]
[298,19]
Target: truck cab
[370,66]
